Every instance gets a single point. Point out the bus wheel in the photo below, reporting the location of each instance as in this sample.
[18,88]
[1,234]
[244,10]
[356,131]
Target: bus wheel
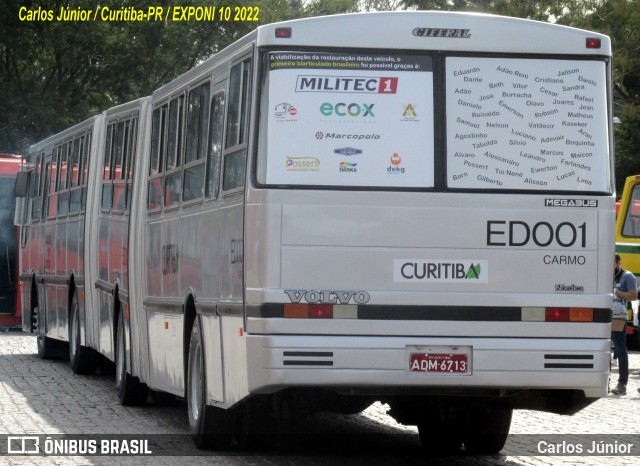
[83,360]
[210,427]
[487,430]
[130,390]
[256,429]
[440,436]
[48,348]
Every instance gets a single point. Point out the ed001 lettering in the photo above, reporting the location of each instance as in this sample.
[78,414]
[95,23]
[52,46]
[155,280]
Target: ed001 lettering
[516,233]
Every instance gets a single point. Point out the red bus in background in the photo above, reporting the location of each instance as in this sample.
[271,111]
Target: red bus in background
[10,309]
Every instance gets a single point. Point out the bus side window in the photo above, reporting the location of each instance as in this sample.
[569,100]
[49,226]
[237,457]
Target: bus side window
[75,167]
[173,176]
[109,151]
[36,190]
[158,144]
[235,155]
[215,145]
[63,177]
[52,171]
[130,159]
[196,145]
[119,166]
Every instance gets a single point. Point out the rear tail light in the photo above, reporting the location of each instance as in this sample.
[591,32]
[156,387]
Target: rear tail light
[593,43]
[321,311]
[557,314]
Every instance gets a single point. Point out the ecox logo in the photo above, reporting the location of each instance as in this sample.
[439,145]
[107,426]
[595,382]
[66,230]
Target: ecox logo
[440,270]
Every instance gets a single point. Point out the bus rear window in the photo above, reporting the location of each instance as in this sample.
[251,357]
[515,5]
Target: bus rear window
[527,124]
[353,120]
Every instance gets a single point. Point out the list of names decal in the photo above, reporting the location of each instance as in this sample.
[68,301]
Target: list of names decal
[527,124]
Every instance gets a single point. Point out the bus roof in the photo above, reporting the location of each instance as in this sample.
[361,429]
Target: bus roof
[10,164]
[88,123]
[411,30]
[434,30]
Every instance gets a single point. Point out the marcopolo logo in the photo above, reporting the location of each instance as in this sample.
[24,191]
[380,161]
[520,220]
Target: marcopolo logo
[440,270]
[350,84]
[355,136]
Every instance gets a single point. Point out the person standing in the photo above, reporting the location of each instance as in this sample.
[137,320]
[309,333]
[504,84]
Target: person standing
[625,288]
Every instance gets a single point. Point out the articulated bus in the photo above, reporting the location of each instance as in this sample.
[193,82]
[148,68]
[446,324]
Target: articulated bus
[9,237]
[287,228]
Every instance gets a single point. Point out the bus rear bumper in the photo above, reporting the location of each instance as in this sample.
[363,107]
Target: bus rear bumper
[280,362]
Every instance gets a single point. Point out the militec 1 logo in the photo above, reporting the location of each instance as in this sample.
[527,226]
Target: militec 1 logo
[348,84]
[440,270]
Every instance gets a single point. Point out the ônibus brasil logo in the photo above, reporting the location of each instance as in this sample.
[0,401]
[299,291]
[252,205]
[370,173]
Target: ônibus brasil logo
[440,270]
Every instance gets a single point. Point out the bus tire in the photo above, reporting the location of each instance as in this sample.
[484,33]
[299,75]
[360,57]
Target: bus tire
[210,427]
[256,428]
[440,436]
[83,360]
[48,348]
[487,430]
[131,391]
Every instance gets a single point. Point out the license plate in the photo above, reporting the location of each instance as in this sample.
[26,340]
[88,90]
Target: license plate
[441,360]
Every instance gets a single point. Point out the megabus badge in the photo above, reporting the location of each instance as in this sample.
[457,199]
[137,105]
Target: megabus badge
[440,271]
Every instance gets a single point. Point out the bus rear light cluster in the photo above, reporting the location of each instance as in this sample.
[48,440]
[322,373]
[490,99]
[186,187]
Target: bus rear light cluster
[593,43]
[321,311]
[557,314]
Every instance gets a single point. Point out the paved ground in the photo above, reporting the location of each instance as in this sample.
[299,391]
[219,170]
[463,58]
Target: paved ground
[45,397]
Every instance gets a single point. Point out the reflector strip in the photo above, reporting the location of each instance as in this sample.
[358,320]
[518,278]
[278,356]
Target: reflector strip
[296,311]
[533,314]
[345,311]
[556,314]
[320,311]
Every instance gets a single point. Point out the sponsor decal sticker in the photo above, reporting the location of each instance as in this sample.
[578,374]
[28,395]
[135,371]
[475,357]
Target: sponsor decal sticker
[303,164]
[347,151]
[409,112]
[395,168]
[347,84]
[285,110]
[440,270]
[348,167]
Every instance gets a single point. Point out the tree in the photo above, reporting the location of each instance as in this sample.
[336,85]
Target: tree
[54,74]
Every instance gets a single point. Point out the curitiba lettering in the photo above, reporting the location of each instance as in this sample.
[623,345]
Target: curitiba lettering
[441,271]
[328,297]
